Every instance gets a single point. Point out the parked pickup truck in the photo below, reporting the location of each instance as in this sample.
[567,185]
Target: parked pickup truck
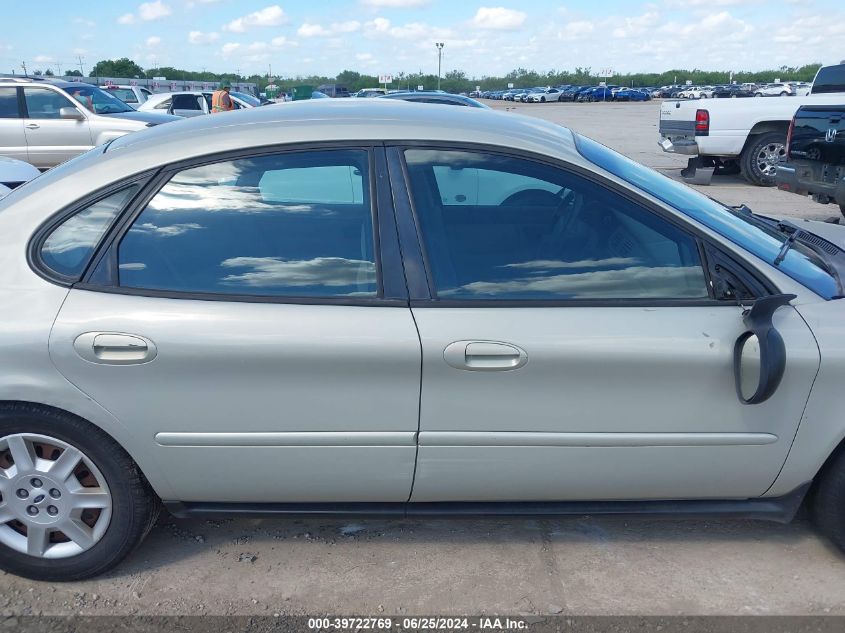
[816,154]
[746,135]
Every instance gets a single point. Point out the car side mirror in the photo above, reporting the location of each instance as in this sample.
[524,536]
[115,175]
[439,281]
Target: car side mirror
[71,113]
[759,352]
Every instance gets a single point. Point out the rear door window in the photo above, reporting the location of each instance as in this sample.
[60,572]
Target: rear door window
[9,103]
[287,225]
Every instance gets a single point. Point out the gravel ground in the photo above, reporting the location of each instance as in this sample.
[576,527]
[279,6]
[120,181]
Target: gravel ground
[618,566]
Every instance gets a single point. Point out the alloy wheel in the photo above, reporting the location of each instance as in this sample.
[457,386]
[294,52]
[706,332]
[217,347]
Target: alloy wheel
[54,501]
[768,158]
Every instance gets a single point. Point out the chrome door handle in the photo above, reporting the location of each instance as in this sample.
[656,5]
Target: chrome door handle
[32,126]
[484,356]
[115,348]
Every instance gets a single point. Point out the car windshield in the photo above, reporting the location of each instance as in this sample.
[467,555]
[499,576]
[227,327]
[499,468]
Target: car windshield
[96,100]
[249,99]
[752,233]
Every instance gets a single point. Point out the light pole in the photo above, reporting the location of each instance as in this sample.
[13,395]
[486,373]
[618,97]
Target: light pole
[439,46]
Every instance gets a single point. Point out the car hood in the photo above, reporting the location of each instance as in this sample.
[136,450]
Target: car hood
[13,170]
[144,117]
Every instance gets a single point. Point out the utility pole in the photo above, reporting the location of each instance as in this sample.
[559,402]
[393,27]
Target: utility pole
[439,46]
[23,65]
[82,70]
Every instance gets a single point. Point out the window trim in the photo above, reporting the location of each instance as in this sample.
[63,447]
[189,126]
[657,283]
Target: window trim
[36,242]
[402,185]
[102,272]
[18,99]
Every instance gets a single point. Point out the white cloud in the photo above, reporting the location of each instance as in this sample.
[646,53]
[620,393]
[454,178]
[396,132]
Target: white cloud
[395,4]
[363,57]
[153,40]
[153,10]
[379,25]
[198,37]
[126,18]
[318,30]
[268,16]
[312,30]
[230,47]
[44,59]
[85,22]
[498,18]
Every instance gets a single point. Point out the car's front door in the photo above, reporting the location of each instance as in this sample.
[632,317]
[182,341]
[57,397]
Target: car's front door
[243,329]
[50,138]
[187,105]
[572,348]
[12,135]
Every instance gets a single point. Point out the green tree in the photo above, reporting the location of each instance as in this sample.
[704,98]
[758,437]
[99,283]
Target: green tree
[48,73]
[74,73]
[123,67]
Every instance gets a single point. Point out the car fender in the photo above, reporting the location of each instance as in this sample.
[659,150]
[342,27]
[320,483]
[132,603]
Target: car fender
[109,135]
[822,427]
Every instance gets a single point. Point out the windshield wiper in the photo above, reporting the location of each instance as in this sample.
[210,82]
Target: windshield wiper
[784,226]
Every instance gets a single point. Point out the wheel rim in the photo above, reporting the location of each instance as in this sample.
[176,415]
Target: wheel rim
[54,501]
[769,156]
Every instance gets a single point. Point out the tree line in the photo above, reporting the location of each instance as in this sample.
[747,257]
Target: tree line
[459,81]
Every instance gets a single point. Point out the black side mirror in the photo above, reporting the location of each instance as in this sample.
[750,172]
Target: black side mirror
[759,352]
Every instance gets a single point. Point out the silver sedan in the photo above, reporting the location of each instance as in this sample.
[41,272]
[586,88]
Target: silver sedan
[366,306]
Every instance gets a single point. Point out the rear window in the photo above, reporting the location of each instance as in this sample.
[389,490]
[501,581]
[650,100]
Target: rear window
[830,79]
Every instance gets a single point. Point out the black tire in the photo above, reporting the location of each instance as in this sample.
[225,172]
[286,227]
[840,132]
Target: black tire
[772,143]
[135,506]
[828,501]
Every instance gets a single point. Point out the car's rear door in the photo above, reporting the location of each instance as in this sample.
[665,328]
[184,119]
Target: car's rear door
[12,135]
[572,348]
[250,326]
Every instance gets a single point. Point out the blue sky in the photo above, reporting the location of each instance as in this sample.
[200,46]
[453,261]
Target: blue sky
[389,36]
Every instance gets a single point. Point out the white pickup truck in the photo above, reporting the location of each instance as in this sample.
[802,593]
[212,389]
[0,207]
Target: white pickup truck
[746,135]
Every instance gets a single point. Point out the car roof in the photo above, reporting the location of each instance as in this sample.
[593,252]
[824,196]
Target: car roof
[38,81]
[370,120]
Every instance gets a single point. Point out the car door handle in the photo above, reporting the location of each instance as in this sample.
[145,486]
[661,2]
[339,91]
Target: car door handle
[484,356]
[115,348]
[32,126]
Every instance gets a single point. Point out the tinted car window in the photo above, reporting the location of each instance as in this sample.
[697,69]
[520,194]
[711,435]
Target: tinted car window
[542,233]
[800,263]
[9,103]
[187,102]
[69,247]
[96,100]
[42,103]
[297,224]
[164,105]
[830,79]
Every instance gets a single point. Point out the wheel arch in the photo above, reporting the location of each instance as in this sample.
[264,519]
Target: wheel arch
[764,127]
[146,466]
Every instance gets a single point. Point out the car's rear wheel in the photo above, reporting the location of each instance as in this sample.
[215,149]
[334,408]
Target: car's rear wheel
[761,156]
[73,504]
[828,501]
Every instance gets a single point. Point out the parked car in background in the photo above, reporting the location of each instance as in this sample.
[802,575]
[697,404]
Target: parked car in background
[441,98]
[366,93]
[815,154]
[479,281]
[801,88]
[46,122]
[14,173]
[132,96]
[334,90]
[750,134]
[544,95]
[732,91]
[632,94]
[774,90]
[191,103]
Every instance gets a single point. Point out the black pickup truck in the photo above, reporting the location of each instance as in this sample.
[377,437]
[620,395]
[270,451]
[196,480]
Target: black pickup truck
[816,154]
